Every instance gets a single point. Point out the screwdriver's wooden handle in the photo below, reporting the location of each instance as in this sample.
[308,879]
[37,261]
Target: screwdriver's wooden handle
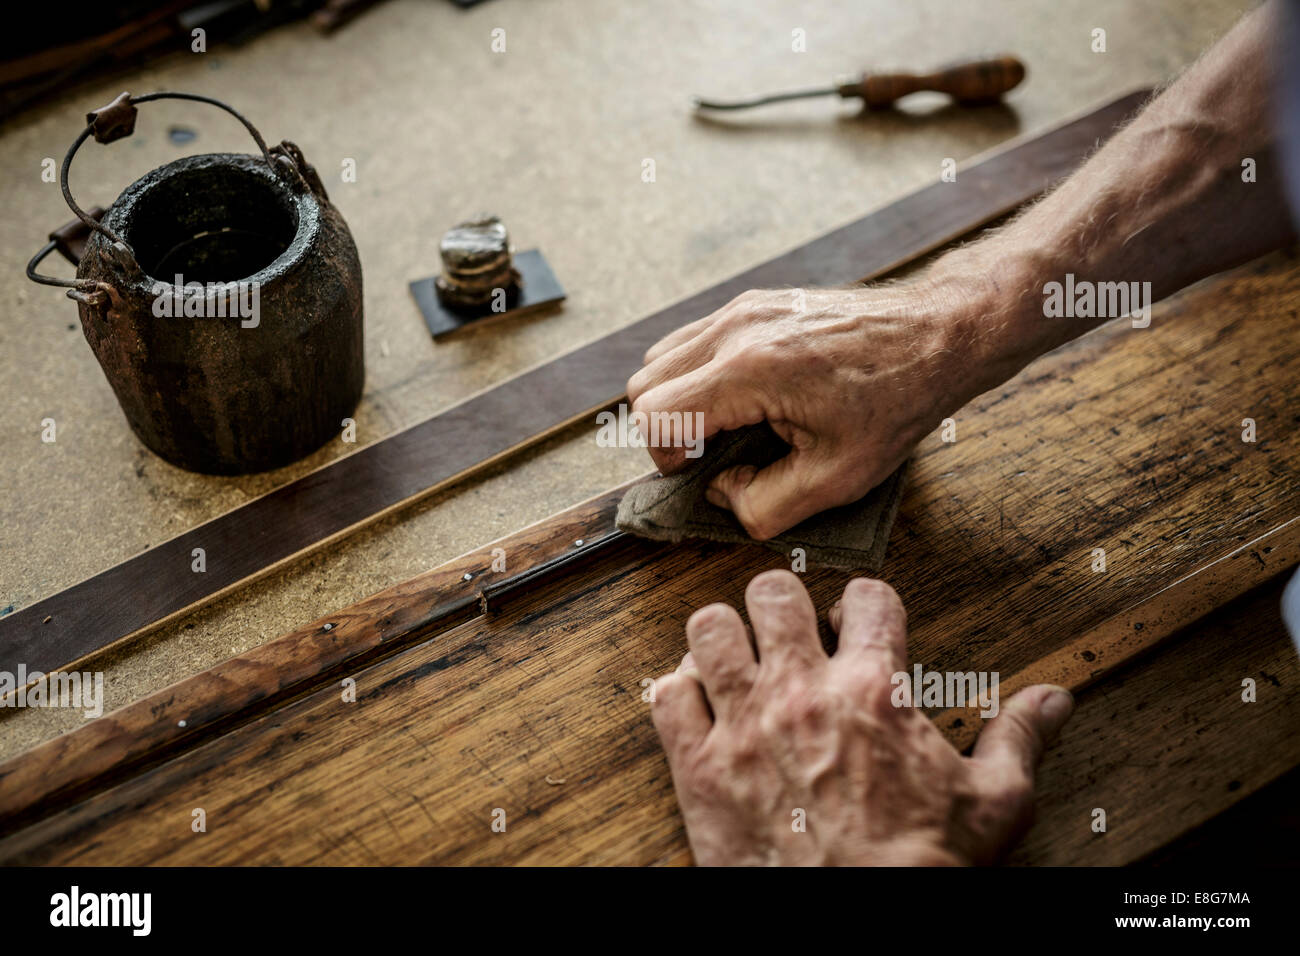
[980,81]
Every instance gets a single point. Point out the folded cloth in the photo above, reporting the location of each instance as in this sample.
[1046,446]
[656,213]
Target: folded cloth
[670,509]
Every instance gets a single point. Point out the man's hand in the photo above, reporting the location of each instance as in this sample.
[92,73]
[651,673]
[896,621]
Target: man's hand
[767,731]
[851,379]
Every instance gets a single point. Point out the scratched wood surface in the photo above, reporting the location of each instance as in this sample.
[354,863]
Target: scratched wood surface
[1164,746]
[69,767]
[1128,440]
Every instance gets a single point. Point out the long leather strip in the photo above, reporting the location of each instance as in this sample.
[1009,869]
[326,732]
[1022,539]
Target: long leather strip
[254,539]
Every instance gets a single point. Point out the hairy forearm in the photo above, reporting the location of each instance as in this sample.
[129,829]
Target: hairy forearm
[1163,202]
[853,378]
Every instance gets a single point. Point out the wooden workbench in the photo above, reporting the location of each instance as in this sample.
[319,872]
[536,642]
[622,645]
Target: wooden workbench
[1127,439]
[724,197]
[551,137]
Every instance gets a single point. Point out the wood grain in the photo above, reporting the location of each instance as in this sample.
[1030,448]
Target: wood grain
[1163,747]
[233,692]
[255,539]
[1119,640]
[1126,439]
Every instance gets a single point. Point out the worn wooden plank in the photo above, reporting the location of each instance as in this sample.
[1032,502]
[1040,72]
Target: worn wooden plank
[267,533]
[1126,439]
[1139,630]
[233,692]
[1163,747]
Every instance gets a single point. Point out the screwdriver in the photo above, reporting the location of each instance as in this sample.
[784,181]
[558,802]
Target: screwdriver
[978,81]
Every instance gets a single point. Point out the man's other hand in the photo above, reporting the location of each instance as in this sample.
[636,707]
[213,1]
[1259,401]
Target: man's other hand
[783,755]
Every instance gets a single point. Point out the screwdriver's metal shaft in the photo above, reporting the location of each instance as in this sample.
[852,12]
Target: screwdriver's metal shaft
[763,100]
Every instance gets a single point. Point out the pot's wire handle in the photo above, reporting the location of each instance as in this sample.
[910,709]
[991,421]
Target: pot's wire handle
[117,121]
[70,240]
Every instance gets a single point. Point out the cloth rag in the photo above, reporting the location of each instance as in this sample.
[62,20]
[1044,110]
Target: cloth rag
[671,508]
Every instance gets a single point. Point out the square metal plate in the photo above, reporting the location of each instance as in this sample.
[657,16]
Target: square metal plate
[538,288]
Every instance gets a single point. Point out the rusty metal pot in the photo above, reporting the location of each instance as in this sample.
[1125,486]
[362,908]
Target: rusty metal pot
[222,296]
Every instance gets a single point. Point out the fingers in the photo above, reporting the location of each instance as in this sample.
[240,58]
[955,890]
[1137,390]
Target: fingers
[677,353]
[774,499]
[722,655]
[785,629]
[679,337]
[1013,742]
[784,621]
[1002,767]
[680,713]
[871,623]
[700,400]
[678,379]
[668,366]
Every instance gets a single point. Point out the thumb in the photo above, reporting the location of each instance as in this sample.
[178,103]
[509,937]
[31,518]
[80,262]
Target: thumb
[773,499]
[1003,762]
[1015,739]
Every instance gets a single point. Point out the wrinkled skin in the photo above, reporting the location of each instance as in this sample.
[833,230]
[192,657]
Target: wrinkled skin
[759,728]
[852,379]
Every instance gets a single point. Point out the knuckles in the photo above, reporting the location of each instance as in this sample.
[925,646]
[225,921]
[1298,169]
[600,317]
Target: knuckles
[877,697]
[638,384]
[793,703]
[758,527]
[811,710]
[841,487]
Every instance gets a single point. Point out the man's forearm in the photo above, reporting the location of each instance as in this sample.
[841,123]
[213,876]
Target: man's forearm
[1164,202]
[852,379]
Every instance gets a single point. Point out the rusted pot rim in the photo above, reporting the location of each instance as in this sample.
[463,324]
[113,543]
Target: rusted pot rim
[119,218]
[117,121]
